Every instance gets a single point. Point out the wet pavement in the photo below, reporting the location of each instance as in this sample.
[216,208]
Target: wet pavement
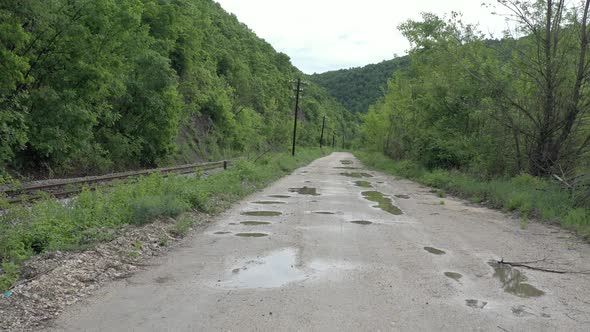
[332,256]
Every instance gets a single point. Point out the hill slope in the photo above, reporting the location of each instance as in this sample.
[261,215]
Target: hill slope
[358,88]
[92,86]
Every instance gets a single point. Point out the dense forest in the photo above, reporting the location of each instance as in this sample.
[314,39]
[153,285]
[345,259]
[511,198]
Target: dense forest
[492,108]
[90,86]
[358,88]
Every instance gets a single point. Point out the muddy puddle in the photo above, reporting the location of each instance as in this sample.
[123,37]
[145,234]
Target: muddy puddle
[361,222]
[254,223]
[347,167]
[324,212]
[434,251]
[346,162]
[403,196]
[221,233]
[454,275]
[305,191]
[356,175]
[262,213]
[513,281]
[251,234]
[363,184]
[476,304]
[275,270]
[280,268]
[279,196]
[269,202]
[383,203]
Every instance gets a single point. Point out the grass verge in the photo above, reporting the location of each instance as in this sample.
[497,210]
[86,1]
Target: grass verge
[531,197]
[95,216]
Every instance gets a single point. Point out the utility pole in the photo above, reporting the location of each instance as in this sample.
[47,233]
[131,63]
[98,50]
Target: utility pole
[298,91]
[322,137]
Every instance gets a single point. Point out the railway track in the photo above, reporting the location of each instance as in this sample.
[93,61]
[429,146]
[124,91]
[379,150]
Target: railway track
[62,188]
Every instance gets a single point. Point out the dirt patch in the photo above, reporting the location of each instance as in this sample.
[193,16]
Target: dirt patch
[357,175]
[434,251]
[383,203]
[255,223]
[475,304]
[363,184]
[361,222]
[305,191]
[269,202]
[251,234]
[55,280]
[454,275]
[262,213]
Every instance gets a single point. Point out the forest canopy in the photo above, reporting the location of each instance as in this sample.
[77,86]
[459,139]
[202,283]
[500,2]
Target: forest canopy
[493,108]
[97,85]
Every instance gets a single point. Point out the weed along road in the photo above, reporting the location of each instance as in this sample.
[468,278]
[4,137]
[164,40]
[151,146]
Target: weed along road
[337,247]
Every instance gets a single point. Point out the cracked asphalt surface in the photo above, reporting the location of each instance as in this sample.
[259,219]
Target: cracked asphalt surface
[340,259]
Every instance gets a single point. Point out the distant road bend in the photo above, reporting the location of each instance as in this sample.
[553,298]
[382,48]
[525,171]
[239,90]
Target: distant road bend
[335,247]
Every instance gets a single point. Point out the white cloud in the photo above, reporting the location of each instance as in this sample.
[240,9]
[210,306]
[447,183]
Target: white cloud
[321,35]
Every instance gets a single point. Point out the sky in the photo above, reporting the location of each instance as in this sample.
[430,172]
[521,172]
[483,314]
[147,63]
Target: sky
[324,35]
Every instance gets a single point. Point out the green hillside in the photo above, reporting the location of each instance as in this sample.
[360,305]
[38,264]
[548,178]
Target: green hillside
[358,88]
[94,86]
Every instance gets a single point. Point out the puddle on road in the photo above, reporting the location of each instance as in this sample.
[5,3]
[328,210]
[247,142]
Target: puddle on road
[361,222]
[384,203]
[280,268]
[305,191]
[269,202]
[475,304]
[357,175]
[254,223]
[513,281]
[403,196]
[454,275]
[346,162]
[363,184]
[275,270]
[221,233]
[324,212]
[279,196]
[434,251]
[347,167]
[251,234]
[262,213]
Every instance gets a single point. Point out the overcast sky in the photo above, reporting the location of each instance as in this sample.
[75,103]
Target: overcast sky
[323,35]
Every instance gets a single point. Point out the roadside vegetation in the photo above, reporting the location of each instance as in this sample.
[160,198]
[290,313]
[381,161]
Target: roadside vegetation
[97,86]
[504,121]
[530,197]
[96,216]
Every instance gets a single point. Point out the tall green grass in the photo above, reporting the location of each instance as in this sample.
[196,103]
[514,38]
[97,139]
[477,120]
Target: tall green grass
[529,196]
[95,216]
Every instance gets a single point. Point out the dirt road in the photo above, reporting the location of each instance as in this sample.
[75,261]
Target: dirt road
[336,254]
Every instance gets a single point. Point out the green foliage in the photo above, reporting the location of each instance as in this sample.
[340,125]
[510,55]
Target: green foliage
[358,88]
[95,216]
[488,107]
[531,197]
[93,86]
[147,209]
[183,225]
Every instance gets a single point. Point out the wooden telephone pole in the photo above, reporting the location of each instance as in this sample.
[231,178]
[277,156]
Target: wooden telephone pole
[298,90]
[322,137]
